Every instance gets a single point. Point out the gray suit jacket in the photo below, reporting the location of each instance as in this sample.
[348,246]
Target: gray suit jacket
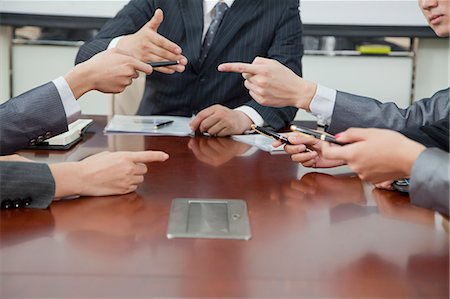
[30,118]
[430,180]
[24,184]
[356,111]
[250,28]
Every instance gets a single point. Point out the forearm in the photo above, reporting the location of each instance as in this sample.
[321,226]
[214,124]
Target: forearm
[26,184]
[357,111]
[67,179]
[430,180]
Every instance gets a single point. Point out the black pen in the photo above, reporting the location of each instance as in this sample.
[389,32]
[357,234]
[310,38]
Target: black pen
[159,125]
[163,63]
[271,134]
[318,135]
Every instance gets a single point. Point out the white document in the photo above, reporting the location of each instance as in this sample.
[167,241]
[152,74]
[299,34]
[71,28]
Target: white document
[145,125]
[260,141]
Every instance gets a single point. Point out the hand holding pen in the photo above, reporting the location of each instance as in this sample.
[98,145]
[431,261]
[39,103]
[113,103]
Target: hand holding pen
[307,151]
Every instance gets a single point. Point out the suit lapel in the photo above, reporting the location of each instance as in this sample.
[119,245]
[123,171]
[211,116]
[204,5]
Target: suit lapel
[240,13]
[192,12]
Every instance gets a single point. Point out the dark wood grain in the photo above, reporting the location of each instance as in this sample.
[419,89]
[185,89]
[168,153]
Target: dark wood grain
[318,236]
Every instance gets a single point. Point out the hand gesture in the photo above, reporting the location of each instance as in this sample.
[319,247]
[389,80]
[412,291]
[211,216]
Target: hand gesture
[376,155]
[272,84]
[149,46]
[307,151]
[110,71]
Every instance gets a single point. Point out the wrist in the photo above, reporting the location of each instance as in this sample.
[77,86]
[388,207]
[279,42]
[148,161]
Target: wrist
[414,151]
[306,94]
[246,121]
[80,80]
[66,179]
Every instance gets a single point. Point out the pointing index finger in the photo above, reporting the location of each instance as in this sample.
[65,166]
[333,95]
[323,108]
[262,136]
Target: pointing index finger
[239,67]
[147,156]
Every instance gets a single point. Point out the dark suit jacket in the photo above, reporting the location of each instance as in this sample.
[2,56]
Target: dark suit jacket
[250,28]
[22,182]
[356,111]
[435,134]
[31,117]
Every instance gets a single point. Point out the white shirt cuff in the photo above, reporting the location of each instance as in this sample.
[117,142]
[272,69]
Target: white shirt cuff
[71,106]
[114,42]
[322,105]
[254,116]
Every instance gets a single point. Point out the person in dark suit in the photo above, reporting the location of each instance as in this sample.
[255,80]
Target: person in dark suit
[209,33]
[376,155]
[45,111]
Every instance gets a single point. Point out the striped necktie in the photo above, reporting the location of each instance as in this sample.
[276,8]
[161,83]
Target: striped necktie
[218,13]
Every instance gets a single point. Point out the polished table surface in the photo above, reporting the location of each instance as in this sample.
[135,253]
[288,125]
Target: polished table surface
[315,236]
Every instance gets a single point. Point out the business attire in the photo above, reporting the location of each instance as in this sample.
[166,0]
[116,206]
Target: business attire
[429,185]
[26,120]
[341,110]
[36,115]
[26,185]
[435,134]
[248,28]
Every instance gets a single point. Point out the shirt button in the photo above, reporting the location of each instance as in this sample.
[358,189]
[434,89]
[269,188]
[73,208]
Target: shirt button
[40,139]
[33,142]
[48,135]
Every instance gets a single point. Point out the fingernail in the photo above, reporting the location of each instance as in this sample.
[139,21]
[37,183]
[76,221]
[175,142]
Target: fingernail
[338,135]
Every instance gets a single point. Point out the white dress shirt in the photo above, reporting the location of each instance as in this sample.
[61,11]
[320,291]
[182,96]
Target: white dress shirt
[208,6]
[71,106]
[322,104]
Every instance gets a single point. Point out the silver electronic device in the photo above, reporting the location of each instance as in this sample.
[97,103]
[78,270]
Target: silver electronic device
[209,218]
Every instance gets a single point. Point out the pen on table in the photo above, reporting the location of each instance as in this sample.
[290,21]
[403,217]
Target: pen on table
[318,135]
[166,123]
[163,63]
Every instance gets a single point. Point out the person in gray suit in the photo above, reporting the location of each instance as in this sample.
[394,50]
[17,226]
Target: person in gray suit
[396,156]
[206,33]
[45,111]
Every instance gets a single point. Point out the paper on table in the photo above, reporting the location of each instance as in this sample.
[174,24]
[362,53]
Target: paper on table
[260,141]
[145,125]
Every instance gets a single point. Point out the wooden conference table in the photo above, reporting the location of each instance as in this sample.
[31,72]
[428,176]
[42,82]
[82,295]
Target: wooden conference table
[317,236]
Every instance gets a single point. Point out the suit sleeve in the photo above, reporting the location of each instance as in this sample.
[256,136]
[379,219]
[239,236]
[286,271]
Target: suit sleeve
[129,20]
[26,182]
[287,48]
[30,118]
[356,111]
[430,180]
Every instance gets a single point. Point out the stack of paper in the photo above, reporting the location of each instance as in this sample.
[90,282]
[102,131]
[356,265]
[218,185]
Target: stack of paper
[145,125]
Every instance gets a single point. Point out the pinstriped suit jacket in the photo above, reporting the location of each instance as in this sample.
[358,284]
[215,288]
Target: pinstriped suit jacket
[36,114]
[356,111]
[250,28]
[20,180]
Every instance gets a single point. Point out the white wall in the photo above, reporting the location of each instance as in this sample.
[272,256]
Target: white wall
[432,67]
[382,78]
[342,12]
[34,65]
[5,40]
